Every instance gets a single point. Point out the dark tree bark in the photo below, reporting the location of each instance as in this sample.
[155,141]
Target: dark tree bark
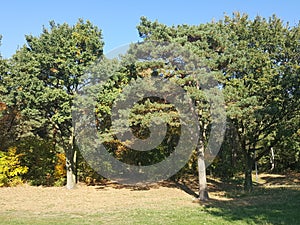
[248,185]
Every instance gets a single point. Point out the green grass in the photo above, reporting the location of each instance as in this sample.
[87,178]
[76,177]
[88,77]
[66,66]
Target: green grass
[263,206]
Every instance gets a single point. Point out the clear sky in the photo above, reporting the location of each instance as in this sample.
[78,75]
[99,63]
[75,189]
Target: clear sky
[118,19]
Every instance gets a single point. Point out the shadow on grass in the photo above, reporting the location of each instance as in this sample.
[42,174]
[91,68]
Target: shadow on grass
[291,178]
[186,189]
[271,204]
[263,206]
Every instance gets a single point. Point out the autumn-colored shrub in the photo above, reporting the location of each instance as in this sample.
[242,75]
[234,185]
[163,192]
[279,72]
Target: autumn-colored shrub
[60,166]
[60,169]
[10,168]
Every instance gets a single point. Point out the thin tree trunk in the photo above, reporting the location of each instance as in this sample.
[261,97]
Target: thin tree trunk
[71,156]
[256,167]
[272,159]
[248,162]
[248,185]
[203,193]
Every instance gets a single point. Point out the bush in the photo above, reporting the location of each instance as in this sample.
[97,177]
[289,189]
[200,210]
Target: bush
[10,168]
[40,158]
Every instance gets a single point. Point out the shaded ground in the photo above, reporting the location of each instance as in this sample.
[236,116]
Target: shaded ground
[275,200]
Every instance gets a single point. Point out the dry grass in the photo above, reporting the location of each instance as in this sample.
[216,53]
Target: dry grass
[88,199]
[158,204]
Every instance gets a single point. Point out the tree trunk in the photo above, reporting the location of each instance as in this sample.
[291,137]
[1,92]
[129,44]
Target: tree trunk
[71,179]
[248,173]
[71,156]
[203,193]
[272,159]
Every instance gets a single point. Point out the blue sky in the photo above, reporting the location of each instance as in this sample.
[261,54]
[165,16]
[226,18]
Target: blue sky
[118,19]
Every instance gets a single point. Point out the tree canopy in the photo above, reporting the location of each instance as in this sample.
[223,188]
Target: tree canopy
[254,63]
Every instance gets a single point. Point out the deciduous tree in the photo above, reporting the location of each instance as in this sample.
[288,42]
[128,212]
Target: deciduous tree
[44,78]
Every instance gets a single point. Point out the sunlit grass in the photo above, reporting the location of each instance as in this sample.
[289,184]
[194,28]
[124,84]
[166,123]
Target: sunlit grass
[263,206]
